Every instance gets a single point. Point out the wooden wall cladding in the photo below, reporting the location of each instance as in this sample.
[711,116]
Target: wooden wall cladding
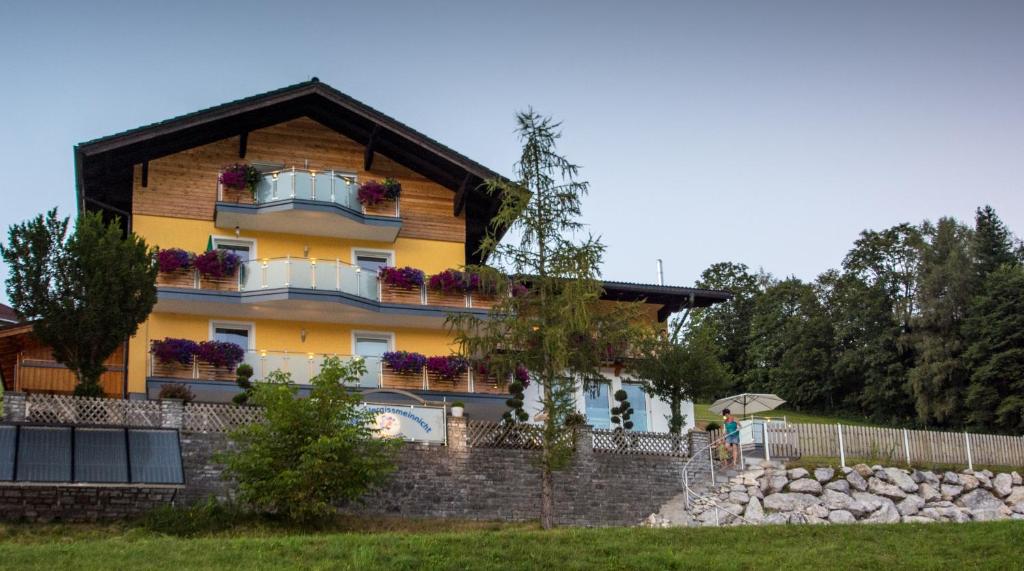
[38,372]
[392,294]
[184,185]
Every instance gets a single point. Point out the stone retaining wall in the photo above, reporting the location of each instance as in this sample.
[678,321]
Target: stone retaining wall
[73,503]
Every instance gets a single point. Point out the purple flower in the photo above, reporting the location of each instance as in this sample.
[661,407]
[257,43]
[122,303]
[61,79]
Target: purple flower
[447,368]
[217,263]
[239,176]
[372,192]
[404,361]
[404,278]
[522,375]
[171,350]
[519,290]
[220,353]
[451,281]
[392,188]
[173,259]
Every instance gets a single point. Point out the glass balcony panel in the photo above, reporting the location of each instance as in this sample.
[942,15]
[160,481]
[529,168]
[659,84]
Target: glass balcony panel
[252,276]
[277,274]
[371,379]
[285,187]
[349,280]
[326,275]
[322,189]
[303,185]
[265,189]
[351,192]
[301,273]
[368,284]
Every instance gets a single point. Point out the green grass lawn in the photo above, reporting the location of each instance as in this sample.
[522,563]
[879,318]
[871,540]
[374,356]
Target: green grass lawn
[700,410]
[906,546]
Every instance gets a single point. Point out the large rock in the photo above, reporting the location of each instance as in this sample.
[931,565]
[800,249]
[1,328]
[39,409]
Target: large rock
[841,516]
[788,502]
[880,488]
[901,479]
[930,477]
[979,500]
[1002,485]
[842,486]
[945,514]
[885,514]
[824,474]
[805,486]
[950,491]
[816,511]
[839,501]
[990,515]
[910,506]
[777,519]
[864,471]
[928,492]
[776,483]
[871,502]
[739,497]
[857,482]
[1016,496]
[1016,479]
[797,473]
[754,492]
[797,518]
[983,480]
[754,512]
[951,478]
[969,482]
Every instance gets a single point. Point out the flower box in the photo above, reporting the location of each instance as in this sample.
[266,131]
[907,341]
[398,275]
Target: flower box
[395,294]
[236,196]
[481,300]
[446,299]
[385,207]
[178,278]
[380,198]
[391,379]
[458,384]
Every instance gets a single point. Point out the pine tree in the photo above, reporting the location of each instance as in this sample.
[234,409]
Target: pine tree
[555,329]
[992,243]
[946,285]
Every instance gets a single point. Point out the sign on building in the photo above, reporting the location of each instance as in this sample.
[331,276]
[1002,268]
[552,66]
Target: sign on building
[413,423]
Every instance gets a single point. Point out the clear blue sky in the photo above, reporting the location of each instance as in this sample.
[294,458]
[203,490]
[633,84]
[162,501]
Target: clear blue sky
[769,133]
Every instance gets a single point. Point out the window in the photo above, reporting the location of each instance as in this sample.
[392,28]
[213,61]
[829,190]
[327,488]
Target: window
[240,334]
[638,400]
[598,410]
[372,260]
[246,249]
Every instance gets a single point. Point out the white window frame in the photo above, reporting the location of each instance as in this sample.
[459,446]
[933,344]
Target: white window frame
[233,241]
[377,335]
[647,401]
[389,254]
[214,324]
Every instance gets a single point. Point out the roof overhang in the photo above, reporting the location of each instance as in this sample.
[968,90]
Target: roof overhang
[104,167]
[671,298]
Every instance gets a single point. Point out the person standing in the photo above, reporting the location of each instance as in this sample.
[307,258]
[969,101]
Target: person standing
[732,437]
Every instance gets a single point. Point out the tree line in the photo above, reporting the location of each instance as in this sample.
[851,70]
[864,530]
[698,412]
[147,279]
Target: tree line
[921,325]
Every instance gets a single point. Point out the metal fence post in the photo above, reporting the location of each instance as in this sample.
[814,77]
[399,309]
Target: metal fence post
[906,445]
[842,450]
[767,452]
[970,462]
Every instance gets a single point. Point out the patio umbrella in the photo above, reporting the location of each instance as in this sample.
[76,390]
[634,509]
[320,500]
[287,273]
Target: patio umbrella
[746,403]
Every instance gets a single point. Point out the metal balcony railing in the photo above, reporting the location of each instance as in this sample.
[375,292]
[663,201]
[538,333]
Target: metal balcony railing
[327,186]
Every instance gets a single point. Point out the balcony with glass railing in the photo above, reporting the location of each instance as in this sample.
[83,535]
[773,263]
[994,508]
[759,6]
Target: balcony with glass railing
[301,367]
[322,275]
[295,201]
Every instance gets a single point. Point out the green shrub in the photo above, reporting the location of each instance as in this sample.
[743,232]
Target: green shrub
[310,454]
[198,519]
[713,426]
[459,404]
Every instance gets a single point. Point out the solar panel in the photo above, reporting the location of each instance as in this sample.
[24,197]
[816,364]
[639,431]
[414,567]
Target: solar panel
[101,455]
[44,454]
[7,439]
[155,457]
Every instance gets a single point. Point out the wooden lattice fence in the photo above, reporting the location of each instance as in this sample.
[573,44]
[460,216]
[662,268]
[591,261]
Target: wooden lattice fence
[61,409]
[644,443]
[483,434]
[218,417]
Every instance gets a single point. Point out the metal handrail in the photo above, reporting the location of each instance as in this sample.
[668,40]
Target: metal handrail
[688,492]
[342,189]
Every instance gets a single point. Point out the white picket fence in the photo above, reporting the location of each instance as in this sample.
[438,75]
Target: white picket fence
[898,445]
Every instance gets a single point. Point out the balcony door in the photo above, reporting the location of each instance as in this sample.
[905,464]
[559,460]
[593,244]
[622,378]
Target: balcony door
[371,347]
